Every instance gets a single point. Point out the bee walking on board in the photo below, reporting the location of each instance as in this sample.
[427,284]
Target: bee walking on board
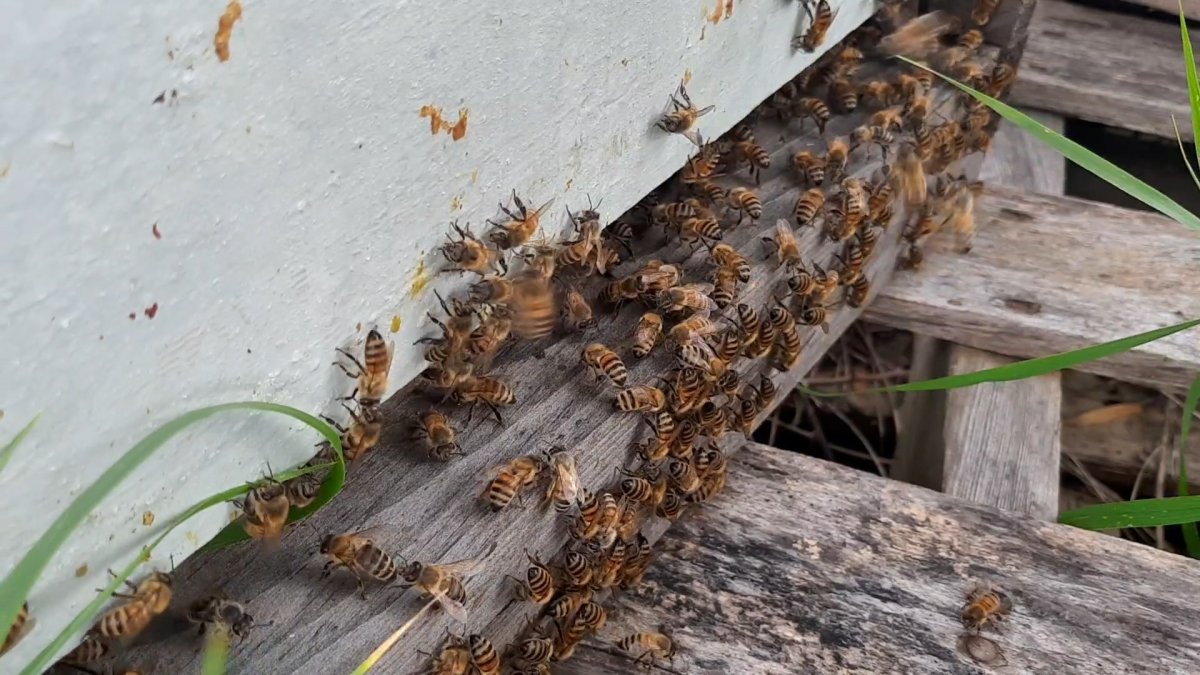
[358,552]
[221,614]
[604,362]
[784,246]
[521,226]
[366,427]
[985,605]
[486,390]
[511,478]
[538,585]
[434,429]
[127,620]
[649,647]
[682,115]
[373,370]
[648,333]
[564,480]
[444,582]
[820,20]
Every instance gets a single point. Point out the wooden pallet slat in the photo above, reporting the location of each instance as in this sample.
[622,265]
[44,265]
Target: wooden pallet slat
[810,567]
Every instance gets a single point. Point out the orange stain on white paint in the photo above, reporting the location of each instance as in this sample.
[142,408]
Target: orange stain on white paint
[233,13]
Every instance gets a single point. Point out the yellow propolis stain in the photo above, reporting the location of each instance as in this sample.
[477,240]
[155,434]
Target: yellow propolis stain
[569,182]
[687,77]
[81,570]
[148,518]
[474,176]
[4,168]
[395,323]
[233,12]
[438,124]
[420,281]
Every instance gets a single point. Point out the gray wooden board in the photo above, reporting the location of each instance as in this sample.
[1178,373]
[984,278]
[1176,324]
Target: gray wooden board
[804,566]
[429,509]
[1002,438]
[1106,67]
[1051,274]
[1191,8]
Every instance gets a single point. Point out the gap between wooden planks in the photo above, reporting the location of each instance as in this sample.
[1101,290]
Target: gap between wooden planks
[805,566]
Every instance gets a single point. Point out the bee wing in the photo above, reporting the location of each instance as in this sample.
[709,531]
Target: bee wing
[464,569]
[566,476]
[705,110]
[542,209]
[919,36]
[693,135]
[784,235]
[454,608]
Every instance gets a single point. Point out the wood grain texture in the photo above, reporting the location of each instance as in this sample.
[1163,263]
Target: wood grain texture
[1052,274]
[1002,439]
[1191,8]
[808,567]
[429,508]
[1106,67]
[1020,161]
[920,445]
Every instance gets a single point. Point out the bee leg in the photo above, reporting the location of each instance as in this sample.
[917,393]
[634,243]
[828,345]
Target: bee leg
[496,412]
[471,411]
[354,359]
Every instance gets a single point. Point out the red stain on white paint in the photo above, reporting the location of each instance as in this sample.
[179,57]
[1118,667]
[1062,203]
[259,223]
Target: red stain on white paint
[151,311]
[233,12]
[438,124]
[155,232]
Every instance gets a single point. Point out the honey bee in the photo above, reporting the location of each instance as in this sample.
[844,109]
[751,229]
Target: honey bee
[590,616]
[538,585]
[688,390]
[366,428]
[836,155]
[690,297]
[641,398]
[468,253]
[534,309]
[727,345]
[746,202]
[702,166]
[695,326]
[971,40]
[891,119]
[877,93]
[521,226]
[1000,80]
[577,313]
[564,480]
[815,316]
[671,507]
[808,206]
[511,478]
[682,473]
[682,116]
[616,292]
[90,650]
[647,334]
[872,135]
[756,156]
[810,167]
[982,13]
[745,409]
[484,657]
[602,361]
[788,338]
[150,598]
[820,21]
[859,289]
[444,582]
[373,370]
[844,95]
[453,659]
[962,216]
[852,260]
[697,231]
[748,321]
[652,646]
[786,248]
[985,605]
[433,427]
[855,204]
[18,629]
[534,652]
[303,490]
[265,511]
[710,191]
[643,490]
[485,341]
[725,284]
[486,390]
[909,176]
[491,289]
[919,37]
[566,604]
[358,552]
[222,614]
[815,108]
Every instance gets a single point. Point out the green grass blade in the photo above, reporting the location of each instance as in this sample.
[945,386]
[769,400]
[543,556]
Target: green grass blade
[7,451]
[1183,152]
[1189,62]
[1030,367]
[1191,536]
[1139,513]
[1111,173]
[216,653]
[16,586]
[386,646]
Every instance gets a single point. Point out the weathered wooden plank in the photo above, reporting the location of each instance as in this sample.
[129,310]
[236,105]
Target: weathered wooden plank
[1106,67]
[1002,439]
[1049,274]
[1020,161]
[1191,8]
[920,447]
[808,567]
[429,508]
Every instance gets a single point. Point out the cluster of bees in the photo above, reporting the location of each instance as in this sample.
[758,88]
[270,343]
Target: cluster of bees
[528,287]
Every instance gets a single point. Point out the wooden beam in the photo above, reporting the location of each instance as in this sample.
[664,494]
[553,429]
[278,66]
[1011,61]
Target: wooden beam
[1191,8]
[1002,439]
[430,507]
[809,567]
[1106,67]
[1050,274]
